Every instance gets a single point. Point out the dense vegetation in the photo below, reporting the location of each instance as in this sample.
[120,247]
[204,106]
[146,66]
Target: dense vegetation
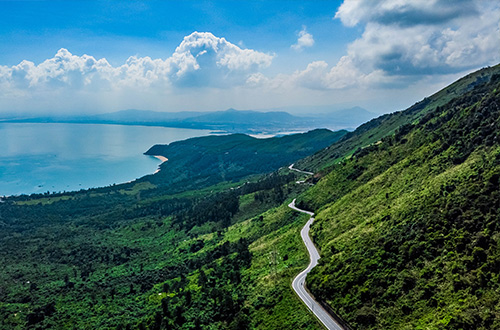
[207,160]
[407,224]
[409,227]
[141,256]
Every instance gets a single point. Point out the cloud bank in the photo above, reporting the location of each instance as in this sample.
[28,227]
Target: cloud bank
[201,60]
[405,40]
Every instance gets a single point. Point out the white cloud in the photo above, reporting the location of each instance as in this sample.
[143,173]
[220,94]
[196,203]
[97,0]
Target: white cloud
[403,41]
[63,70]
[68,81]
[198,55]
[318,75]
[305,40]
[405,38]
[204,59]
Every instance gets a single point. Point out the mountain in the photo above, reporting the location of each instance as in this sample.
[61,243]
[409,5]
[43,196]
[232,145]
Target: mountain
[232,116]
[248,121]
[351,117]
[333,117]
[407,225]
[408,220]
[385,125]
[144,116]
[231,157]
[231,120]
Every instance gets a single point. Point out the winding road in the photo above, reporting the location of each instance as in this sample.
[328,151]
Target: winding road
[298,283]
[291,168]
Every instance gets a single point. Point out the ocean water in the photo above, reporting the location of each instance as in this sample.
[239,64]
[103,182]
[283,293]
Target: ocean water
[36,158]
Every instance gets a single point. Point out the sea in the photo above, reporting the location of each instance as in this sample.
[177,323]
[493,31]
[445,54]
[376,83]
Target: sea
[49,157]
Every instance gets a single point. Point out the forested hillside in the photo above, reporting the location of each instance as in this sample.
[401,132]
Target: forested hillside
[409,226]
[207,160]
[142,255]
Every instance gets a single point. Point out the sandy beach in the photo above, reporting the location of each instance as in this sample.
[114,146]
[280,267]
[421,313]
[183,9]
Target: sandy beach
[163,159]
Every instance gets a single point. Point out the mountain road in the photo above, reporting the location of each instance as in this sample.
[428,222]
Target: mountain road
[298,283]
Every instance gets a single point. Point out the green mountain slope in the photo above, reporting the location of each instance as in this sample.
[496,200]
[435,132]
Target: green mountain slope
[140,258]
[192,254]
[409,227]
[386,125]
[211,159]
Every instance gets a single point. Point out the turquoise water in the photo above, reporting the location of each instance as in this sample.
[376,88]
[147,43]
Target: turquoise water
[36,158]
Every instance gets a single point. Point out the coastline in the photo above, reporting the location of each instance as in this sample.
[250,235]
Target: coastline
[58,168]
[162,159]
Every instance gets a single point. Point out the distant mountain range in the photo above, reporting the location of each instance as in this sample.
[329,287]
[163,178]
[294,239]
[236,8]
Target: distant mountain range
[230,120]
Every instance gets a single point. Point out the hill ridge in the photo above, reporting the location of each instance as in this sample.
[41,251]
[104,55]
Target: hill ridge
[409,227]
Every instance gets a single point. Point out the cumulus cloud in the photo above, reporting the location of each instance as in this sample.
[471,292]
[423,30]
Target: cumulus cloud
[319,75]
[204,59]
[405,40]
[305,40]
[469,39]
[200,60]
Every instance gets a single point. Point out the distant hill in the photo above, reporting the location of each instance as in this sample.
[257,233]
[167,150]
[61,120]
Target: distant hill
[230,157]
[352,116]
[144,116]
[343,118]
[242,121]
[231,120]
[232,116]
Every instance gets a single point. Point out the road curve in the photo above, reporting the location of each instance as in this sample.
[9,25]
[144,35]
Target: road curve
[298,283]
[291,168]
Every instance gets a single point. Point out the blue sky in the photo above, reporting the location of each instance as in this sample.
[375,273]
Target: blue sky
[116,30]
[100,56]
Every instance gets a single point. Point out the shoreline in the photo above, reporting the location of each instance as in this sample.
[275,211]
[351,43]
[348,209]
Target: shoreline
[162,159]
[3,198]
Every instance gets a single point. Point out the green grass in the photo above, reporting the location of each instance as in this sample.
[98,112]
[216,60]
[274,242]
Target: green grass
[273,301]
[44,200]
[409,228]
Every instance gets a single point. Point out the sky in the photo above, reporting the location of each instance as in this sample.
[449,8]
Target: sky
[82,57]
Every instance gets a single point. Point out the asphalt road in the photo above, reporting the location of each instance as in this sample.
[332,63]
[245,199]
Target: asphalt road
[298,283]
[291,168]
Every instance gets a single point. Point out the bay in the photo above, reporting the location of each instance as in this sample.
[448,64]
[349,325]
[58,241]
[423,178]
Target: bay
[36,158]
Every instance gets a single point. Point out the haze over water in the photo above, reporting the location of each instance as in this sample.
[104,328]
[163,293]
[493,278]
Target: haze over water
[36,158]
